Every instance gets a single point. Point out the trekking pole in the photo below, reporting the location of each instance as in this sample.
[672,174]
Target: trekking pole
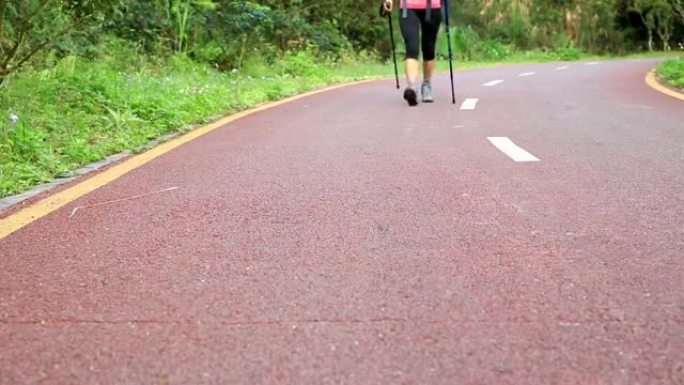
[384,13]
[394,52]
[451,68]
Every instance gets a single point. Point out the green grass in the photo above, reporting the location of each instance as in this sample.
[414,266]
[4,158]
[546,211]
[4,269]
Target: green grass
[653,55]
[672,72]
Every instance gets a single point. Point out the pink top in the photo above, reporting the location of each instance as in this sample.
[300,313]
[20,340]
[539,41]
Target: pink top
[420,4]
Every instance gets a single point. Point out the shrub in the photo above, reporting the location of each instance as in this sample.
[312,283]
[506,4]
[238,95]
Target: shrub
[672,71]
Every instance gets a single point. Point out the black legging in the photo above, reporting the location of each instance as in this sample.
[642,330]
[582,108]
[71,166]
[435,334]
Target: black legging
[411,30]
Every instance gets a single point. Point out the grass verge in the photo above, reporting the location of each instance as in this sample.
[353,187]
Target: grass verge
[672,72]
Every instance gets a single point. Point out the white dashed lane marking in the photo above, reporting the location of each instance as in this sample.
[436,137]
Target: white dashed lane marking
[562,68]
[493,83]
[511,149]
[469,104]
[526,74]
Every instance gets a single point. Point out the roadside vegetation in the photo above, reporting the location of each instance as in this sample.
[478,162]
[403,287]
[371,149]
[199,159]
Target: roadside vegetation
[83,79]
[672,72]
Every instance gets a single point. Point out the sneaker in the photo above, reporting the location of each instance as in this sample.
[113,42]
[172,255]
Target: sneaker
[410,96]
[426,92]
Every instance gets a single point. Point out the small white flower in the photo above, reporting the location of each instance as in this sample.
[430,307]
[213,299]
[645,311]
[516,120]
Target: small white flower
[14,118]
[235,70]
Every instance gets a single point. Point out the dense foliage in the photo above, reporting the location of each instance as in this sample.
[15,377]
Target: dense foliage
[227,33]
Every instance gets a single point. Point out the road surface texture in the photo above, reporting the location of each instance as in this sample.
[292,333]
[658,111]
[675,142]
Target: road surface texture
[533,235]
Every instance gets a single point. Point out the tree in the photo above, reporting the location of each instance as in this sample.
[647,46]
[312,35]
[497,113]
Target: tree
[678,6]
[643,8]
[658,18]
[28,27]
[664,14]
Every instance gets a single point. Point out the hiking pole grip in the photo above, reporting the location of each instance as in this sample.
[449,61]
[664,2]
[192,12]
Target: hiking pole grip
[451,68]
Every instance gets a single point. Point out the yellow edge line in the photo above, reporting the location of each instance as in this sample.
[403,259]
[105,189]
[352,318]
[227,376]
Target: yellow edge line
[54,202]
[653,83]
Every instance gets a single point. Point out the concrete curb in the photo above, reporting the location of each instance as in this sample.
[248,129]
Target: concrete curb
[652,81]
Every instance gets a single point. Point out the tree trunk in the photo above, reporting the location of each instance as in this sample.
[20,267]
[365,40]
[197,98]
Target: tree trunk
[650,40]
[665,38]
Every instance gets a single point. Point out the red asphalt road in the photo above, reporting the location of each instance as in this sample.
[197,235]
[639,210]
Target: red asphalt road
[347,239]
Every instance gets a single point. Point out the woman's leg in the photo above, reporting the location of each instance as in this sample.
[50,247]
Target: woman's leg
[410,30]
[430,29]
[412,71]
[429,42]
[428,69]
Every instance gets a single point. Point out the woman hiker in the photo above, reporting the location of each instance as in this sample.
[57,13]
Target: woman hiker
[420,21]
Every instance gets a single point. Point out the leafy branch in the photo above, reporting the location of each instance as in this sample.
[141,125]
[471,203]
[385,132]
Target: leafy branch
[678,6]
[29,27]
